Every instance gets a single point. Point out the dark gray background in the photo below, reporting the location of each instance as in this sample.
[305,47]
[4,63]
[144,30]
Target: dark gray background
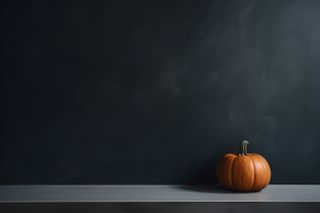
[157,91]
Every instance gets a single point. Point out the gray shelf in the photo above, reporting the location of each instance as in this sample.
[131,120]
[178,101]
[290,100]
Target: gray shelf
[152,193]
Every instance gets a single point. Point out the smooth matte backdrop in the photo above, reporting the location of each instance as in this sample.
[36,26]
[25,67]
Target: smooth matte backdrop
[157,91]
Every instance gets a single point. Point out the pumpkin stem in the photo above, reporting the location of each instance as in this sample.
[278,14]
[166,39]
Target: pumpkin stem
[243,148]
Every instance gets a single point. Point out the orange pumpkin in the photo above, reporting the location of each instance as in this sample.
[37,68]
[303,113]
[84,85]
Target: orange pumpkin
[243,171]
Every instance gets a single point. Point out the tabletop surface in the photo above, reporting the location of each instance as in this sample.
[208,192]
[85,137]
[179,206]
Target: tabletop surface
[153,193]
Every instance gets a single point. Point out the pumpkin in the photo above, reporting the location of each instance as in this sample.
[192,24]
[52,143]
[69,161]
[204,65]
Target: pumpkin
[243,171]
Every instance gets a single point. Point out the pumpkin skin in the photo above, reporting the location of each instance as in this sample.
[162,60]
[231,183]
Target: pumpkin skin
[246,172]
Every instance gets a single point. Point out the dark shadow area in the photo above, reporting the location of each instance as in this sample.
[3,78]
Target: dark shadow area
[205,188]
[217,188]
[204,174]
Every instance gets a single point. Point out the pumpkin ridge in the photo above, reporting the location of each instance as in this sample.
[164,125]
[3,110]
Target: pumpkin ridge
[269,170]
[266,168]
[231,173]
[254,172]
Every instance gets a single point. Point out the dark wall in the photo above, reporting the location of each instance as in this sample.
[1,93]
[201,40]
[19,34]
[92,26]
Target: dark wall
[157,91]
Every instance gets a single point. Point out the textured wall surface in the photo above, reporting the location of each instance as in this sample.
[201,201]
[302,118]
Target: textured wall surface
[157,91]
